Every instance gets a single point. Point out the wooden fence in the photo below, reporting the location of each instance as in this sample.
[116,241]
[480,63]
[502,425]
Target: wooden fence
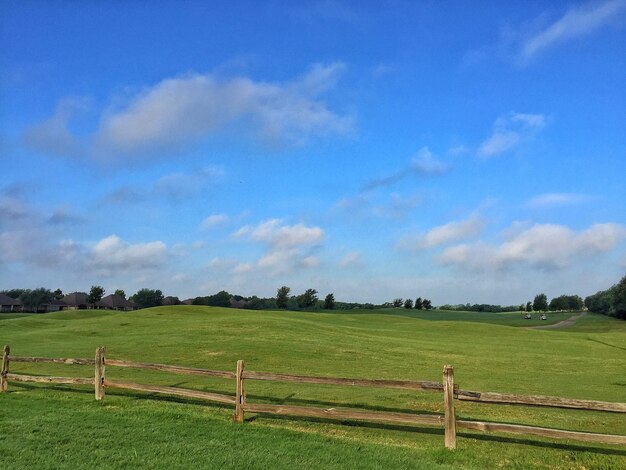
[447,387]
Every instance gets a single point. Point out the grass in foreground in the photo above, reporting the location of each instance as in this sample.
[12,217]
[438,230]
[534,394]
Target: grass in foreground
[52,428]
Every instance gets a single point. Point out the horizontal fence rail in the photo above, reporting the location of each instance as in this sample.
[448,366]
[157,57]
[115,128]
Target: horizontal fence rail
[450,391]
[168,368]
[48,379]
[382,383]
[342,413]
[540,400]
[541,432]
[182,392]
[52,360]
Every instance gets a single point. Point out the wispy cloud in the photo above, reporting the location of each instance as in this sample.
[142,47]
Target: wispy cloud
[111,255]
[423,164]
[288,246]
[544,246]
[549,200]
[180,111]
[53,135]
[509,131]
[214,220]
[576,22]
[176,187]
[354,258]
[444,234]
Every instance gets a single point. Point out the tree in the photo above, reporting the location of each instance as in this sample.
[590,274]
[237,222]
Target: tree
[408,303]
[575,303]
[308,299]
[95,294]
[397,302]
[329,302]
[145,298]
[619,299]
[31,299]
[540,304]
[282,297]
[254,303]
[13,293]
[120,293]
[427,304]
[529,306]
[221,299]
[521,308]
[419,304]
[58,294]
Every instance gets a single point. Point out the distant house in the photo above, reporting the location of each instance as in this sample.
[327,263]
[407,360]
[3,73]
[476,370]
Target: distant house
[188,302]
[76,300]
[53,306]
[169,300]
[9,304]
[115,302]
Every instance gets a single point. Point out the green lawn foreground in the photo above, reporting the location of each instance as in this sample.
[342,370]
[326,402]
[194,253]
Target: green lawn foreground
[63,426]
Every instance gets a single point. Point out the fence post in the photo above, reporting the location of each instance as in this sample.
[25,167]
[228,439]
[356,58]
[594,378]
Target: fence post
[448,404]
[99,374]
[5,369]
[240,398]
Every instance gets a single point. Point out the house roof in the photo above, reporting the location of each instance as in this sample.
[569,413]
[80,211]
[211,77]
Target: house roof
[6,300]
[114,301]
[75,299]
[170,300]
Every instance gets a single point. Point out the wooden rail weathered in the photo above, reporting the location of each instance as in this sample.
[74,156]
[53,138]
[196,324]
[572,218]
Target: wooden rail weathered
[169,368]
[183,392]
[540,400]
[49,379]
[53,360]
[382,383]
[343,413]
[542,432]
[447,387]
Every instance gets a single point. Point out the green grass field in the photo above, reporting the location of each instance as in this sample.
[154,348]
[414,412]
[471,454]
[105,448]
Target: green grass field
[63,426]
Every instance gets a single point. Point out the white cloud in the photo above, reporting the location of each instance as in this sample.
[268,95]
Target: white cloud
[425,163]
[282,236]
[53,135]
[180,185]
[556,200]
[289,246]
[112,254]
[214,220]
[545,246]
[576,22]
[175,187]
[443,234]
[181,110]
[509,131]
[350,259]
[243,268]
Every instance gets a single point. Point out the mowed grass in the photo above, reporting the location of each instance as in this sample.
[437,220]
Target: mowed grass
[60,427]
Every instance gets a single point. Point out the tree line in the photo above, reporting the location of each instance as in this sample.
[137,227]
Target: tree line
[609,302]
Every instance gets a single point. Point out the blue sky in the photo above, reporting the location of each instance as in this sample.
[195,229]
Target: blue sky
[459,151]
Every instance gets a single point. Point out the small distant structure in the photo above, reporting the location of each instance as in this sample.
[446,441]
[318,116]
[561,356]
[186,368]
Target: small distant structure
[170,300]
[9,304]
[188,302]
[54,306]
[76,301]
[116,302]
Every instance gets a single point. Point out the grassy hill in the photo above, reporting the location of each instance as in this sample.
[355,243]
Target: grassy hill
[51,427]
